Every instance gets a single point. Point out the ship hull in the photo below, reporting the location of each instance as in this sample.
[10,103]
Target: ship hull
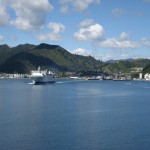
[43,80]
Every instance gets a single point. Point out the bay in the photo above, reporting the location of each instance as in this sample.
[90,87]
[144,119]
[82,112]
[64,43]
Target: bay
[74,115]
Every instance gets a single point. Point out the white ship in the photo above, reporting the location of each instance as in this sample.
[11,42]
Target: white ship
[42,76]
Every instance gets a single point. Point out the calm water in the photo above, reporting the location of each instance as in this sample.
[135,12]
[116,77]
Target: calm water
[74,115]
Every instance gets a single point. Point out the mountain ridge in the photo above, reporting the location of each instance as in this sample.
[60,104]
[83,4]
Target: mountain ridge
[25,57]
[54,57]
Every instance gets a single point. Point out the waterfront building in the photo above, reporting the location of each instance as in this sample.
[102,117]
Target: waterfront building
[140,76]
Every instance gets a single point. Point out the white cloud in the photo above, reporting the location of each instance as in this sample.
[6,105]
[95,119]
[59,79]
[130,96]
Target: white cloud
[145,42]
[1,38]
[123,42]
[124,36]
[118,55]
[119,43]
[118,12]
[90,33]
[4,18]
[78,5]
[48,37]
[98,56]
[30,15]
[54,34]
[104,57]
[86,22]
[81,51]
[56,27]
[95,35]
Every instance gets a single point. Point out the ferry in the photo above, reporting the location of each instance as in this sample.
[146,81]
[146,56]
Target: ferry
[42,76]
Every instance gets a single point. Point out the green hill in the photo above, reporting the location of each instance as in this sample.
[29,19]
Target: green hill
[146,69]
[24,58]
[125,66]
[6,52]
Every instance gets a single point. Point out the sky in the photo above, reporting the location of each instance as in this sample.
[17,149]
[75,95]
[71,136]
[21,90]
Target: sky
[104,29]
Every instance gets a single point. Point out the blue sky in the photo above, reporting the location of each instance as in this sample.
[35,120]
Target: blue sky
[105,29]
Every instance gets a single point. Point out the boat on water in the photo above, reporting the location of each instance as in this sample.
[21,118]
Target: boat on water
[42,76]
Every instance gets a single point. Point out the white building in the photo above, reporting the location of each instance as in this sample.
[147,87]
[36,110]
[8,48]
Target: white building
[147,76]
[140,76]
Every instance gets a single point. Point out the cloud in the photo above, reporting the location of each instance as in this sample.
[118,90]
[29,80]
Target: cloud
[1,38]
[85,52]
[30,15]
[4,17]
[86,22]
[98,56]
[124,36]
[145,42]
[81,51]
[104,56]
[123,42]
[118,12]
[90,33]
[56,27]
[54,35]
[78,5]
[95,35]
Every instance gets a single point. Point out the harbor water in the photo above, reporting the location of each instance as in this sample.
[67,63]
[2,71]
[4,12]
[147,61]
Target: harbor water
[74,115]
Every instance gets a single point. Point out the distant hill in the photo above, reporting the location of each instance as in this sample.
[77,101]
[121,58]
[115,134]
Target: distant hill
[24,58]
[112,60]
[126,66]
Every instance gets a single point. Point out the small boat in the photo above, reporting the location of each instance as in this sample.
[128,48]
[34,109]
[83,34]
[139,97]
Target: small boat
[42,76]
